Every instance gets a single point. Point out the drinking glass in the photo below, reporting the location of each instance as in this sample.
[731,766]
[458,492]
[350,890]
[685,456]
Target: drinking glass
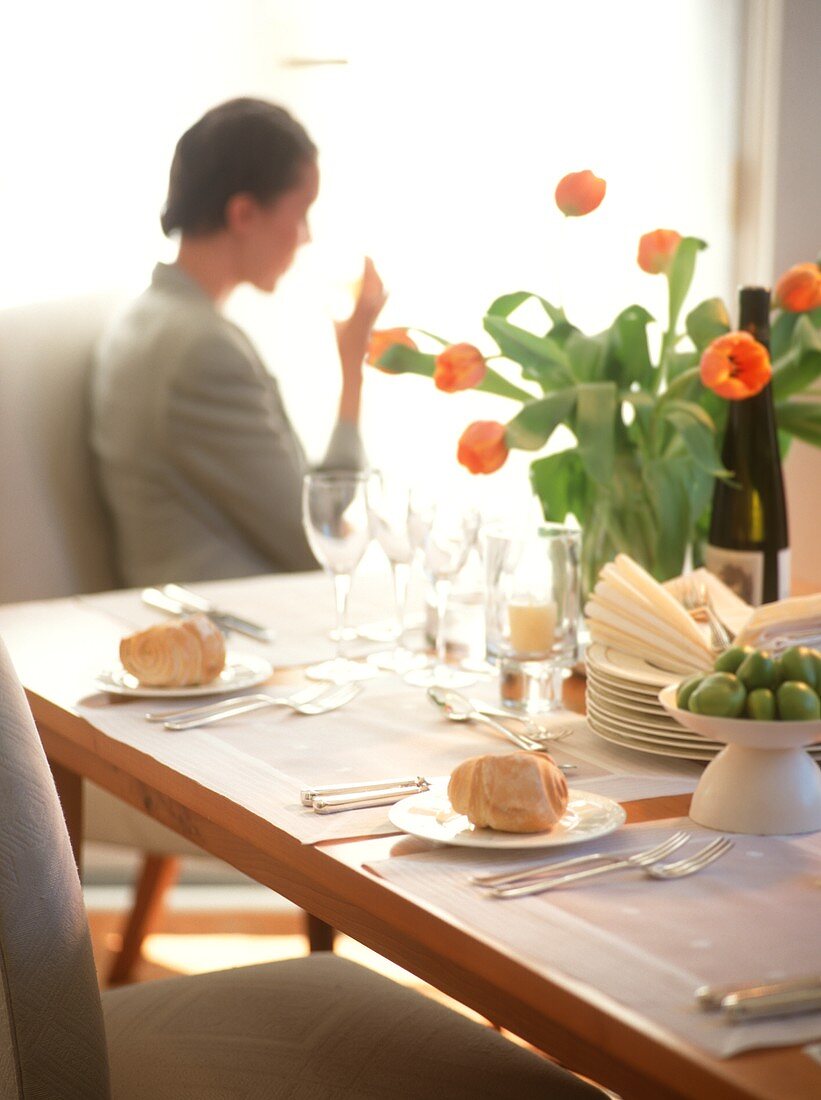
[447,543]
[388,511]
[532,611]
[335,517]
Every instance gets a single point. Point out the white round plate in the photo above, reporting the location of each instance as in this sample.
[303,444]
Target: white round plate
[241,671]
[627,667]
[607,734]
[634,732]
[644,724]
[621,689]
[431,817]
[628,707]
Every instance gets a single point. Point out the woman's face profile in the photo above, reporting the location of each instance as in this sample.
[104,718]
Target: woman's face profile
[269,234]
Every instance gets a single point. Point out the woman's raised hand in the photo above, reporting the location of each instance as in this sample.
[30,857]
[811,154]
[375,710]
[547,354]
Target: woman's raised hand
[353,335]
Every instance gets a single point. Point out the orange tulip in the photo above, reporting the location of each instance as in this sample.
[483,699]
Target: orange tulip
[482,447]
[736,366]
[799,289]
[459,367]
[579,193]
[657,249]
[382,339]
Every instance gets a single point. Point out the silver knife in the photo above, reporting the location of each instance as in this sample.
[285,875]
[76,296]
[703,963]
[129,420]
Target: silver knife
[739,1007]
[165,601]
[714,996]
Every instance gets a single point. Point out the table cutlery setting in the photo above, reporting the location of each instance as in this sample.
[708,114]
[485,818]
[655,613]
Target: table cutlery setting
[176,600]
[313,700]
[758,1000]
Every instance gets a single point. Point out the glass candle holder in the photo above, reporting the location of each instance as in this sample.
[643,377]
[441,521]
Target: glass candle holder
[532,612]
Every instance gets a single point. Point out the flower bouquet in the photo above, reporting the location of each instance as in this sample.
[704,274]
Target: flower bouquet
[647,427]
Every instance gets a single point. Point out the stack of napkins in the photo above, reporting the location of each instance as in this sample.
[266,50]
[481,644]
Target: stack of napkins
[630,611]
[777,626]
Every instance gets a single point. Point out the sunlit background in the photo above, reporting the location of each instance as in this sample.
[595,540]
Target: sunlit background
[443,128]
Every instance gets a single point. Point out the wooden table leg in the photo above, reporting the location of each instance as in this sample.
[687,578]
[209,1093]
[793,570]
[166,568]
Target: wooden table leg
[158,875]
[320,934]
[70,791]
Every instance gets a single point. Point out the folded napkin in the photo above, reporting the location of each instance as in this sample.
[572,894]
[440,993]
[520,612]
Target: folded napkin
[630,611]
[777,626]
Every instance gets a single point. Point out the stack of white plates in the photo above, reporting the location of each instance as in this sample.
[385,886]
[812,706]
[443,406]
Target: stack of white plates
[623,707]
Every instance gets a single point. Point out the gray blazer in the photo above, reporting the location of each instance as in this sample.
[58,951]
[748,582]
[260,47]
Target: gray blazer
[198,462]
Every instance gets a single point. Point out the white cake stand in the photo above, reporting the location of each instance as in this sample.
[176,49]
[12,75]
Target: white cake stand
[763,781]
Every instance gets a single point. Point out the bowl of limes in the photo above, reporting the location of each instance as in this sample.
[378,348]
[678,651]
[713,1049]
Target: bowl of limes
[766,710]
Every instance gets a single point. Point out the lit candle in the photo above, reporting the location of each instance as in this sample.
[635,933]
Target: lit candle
[532,628]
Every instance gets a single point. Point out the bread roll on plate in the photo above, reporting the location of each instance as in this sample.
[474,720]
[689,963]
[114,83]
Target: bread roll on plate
[175,654]
[520,792]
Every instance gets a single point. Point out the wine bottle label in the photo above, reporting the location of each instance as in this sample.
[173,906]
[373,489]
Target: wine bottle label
[743,571]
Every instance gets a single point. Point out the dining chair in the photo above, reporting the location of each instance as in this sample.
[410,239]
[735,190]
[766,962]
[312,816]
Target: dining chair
[316,1027]
[61,544]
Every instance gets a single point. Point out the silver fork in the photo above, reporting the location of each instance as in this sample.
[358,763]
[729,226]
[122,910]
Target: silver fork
[331,700]
[680,869]
[696,599]
[544,870]
[305,695]
[684,867]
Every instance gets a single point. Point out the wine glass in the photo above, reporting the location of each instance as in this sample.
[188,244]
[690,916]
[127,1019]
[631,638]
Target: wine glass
[388,511]
[448,542]
[335,518]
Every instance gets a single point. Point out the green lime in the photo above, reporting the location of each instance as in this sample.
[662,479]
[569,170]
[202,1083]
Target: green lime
[797,702]
[731,658]
[720,695]
[761,705]
[686,689]
[757,670]
[798,663]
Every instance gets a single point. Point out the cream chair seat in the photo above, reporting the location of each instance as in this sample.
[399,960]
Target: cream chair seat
[319,1027]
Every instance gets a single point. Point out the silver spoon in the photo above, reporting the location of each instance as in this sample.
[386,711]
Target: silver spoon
[448,696]
[459,709]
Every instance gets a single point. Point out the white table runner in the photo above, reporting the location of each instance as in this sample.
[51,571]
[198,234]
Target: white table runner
[753,915]
[262,760]
[299,607]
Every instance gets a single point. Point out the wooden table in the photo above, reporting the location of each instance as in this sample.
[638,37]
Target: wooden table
[585,1030]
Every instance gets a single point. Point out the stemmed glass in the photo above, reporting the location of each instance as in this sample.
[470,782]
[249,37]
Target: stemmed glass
[388,510]
[448,541]
[335,518]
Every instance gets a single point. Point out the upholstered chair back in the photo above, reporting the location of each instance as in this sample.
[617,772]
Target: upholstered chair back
[52,1041]
[60,542]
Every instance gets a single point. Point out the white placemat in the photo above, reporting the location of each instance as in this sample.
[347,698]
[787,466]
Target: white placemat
[299,607]
[752,915]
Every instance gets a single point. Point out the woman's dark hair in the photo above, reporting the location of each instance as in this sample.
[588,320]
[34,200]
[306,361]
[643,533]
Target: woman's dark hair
[244,145]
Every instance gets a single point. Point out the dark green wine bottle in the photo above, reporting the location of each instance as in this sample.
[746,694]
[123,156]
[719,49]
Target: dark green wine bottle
[748,546]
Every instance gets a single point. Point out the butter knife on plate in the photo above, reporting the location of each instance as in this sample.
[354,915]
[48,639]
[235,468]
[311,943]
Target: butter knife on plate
[179,601]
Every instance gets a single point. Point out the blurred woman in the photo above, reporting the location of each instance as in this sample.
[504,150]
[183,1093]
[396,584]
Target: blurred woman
[198,461]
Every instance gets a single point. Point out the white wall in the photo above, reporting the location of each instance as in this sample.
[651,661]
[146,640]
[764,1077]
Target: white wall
[442,138]
[798,239]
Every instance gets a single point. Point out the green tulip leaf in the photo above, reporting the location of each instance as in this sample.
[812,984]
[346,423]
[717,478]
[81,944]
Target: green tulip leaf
[799,367]
[505,305]
[532,427]
[595,428]
[587,355]
[669,498]
[706,322]
[628,345]
[680,275]
[695,429]
[781,331]
[399,359]
[801,419]
[541,359]
[562,486]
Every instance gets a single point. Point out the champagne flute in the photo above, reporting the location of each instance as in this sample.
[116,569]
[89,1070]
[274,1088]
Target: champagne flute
[448,542]
[388,513]
[335,518]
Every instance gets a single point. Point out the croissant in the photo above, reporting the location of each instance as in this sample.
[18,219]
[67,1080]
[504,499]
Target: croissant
[175,654]
[520,792]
